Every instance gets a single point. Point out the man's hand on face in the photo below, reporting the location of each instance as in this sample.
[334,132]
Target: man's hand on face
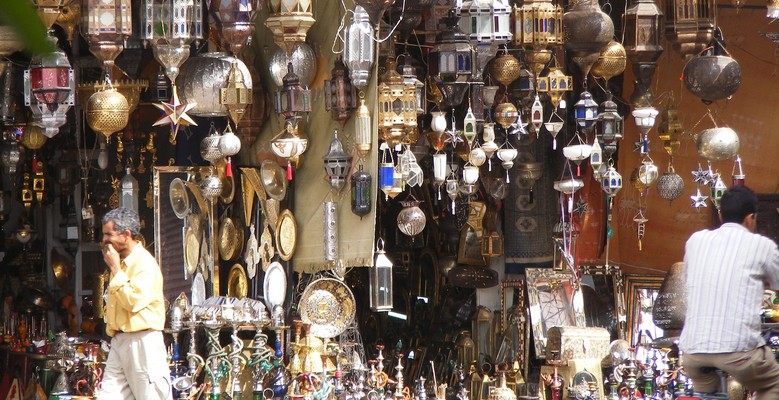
[111,257]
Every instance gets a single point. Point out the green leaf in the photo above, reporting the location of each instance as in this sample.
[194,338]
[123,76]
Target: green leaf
[22,18]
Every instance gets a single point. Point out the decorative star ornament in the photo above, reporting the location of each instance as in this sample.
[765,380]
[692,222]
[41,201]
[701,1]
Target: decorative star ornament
[700,176]
[581,207]
[175,115]
[518,127]
[454,136]
[699,200]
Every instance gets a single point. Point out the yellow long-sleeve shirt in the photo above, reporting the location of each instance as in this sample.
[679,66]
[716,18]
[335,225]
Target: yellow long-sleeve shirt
[135,297]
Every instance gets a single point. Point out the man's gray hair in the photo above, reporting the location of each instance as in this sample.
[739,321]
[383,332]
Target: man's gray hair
[124,219]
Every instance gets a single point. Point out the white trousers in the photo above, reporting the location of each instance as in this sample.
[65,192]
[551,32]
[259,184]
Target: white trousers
[137,368]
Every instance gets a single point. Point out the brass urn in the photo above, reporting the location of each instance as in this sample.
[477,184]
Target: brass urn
[107,112]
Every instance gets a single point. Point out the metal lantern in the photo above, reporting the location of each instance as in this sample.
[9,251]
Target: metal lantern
[130,193]
[506,69]
[712,77]
[359,48]
[10,157]
[229,145]
[49,89]
[452,56]
[587,31]
[209,146]
[559,85]
[106,24]
[409,73]
[303,60]
[337,163]
[361,192]
[690,27]
[397,106]
[49,10]
[411,219]
[611,126]
[585,111]
[643,25]
[611,62]
[170,27]
[236,96]
[292,98]
[290,21]
[203,79]
[538,27]
[235,21]
[340,95]
[381,280]
[486,24]
[363,137]
[611,182]
[718,188]
[670,186]
[717,144]
[107,111]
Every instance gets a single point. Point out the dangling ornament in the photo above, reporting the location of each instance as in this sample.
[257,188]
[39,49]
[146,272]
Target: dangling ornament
[738,175]
[670,186]
[698,200]
[640,221]
[718,188]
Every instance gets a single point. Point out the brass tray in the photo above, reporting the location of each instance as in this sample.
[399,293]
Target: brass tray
[237,283]
[286,235]
[191,250]
[328,306]
[230,239]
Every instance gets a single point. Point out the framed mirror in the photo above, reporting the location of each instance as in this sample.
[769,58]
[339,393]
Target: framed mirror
[604,299]
[641,292]
[184,233]
[512,341]
[550,296]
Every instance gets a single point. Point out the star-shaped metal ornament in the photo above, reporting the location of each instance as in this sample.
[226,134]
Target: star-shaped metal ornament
[454,136]
[518,127]
[701,176]
[175,115]
[581,207]
[699,200]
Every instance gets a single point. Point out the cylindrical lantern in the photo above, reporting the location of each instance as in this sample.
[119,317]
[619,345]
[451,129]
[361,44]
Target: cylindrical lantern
[340,95]
[362,129]
[381,288]
[361,192]
[359,47]
[331,230]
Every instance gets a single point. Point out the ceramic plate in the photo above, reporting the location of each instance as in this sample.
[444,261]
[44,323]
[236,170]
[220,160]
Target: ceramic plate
[198,290]
[328,306]
[274,286]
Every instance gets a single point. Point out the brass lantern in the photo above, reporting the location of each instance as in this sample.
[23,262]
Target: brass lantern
[397,106]
[689,26]
[538,27]
[340,94]
[49,10]
[106,24]
[236,96]
[359,48]
[290,21]
[643,22]
[292,98]
[559,85]
[337,163]
[49,89]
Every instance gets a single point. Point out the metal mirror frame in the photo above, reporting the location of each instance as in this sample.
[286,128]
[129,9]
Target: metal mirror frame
[514,324]
[164,215]
[555,280]
[636,287]
[618,290]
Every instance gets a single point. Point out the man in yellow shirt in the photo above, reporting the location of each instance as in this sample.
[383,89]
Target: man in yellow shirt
[137,365]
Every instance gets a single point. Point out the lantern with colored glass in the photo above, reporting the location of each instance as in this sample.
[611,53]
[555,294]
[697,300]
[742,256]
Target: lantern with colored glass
[290,21]
[486,23]
[586,112]
[292,99]
[397,106]
[49,89]
[361,192]
[106,24]
[611,181]
[452,56]
[359,47]
[559,85]
[170,27]
[643,23]
[690,28]
[337,163]
[718,188]
[610,128]
[235,21]
[381,280]
[340,95]
[738,177]
[538,27]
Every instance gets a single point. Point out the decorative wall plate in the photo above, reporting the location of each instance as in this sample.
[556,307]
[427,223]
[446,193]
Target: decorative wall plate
[274,285]
[271,211]
[191,250]
[286,235]
[274,179]
[237,283]
[230,239]
[179,198]
[198,290]
[328,305]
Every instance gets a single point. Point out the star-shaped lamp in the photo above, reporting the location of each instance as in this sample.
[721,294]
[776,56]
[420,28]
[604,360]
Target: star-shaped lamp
[699,200]
[175,115]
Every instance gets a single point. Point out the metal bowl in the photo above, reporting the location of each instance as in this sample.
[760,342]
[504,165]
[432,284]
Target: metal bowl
[274,179]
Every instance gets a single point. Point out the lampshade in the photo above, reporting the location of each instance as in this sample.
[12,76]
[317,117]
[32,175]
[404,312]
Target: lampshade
[106,24]
[49,88]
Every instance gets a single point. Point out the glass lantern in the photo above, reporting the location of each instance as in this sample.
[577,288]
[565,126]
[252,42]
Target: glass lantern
[586,111]
[129,191]
[397,106]
[689,24]
[359,48]
[452,56]
[410,78]
[411,219]
[106,24]
[381,288]
[170,27]
[610,128]
[643,26]
[49,89]
[538,27]
[290,21]
[361,192]
[486,24]
[337,163]
[292,98]
[363,137]
[340,94]
[611,181]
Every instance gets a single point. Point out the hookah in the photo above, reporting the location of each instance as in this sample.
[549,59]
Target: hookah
[238,360]
[260,362]
[176,326]
[218,366]
[280,376]
[185,384]
[401,392]
[554,382]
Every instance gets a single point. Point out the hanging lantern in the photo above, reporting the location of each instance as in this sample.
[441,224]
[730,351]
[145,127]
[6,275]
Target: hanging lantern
[107,111]
[587,31]
[210,187]
[469,127]
[717,144]
[647,172]
[568,187]
[363,138]
[670,186]
[381,287]
[712,77]
[397,107]
[337,163]
[49,10]
[596,157]
[645,119]
[33,137]
[610,129]
[451,58]
[577,153]
[411,219]
[738,176]
[610,63]
[486,25]
[611,182]
[209,146]
[559,85]
[203,79]
[170,27]
[340,95]
[234,20]
[488,143]
[229,145]
[129,191]
[292,98]
[361,192]
[106,24]
[554,128]
[506,155]
[288,144]
[538,27]
[643,24]
[10,157]
[410,78]
[506,69]
[236,95]
[718,188]
[303,60]
[506,114]
[359,48]
[585,111]
[289,21]
[690,28]
[49,89]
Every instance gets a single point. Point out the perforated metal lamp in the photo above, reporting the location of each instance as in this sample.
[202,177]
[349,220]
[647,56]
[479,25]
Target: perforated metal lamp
[337,163]
[292,98]
[49,89]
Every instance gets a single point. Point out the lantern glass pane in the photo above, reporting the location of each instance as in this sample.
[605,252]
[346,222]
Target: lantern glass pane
[381,284]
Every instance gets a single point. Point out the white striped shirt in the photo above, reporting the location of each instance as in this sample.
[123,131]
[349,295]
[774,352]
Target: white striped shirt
[726,270]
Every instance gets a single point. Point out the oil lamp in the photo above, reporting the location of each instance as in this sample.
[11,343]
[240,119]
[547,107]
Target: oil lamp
[359,47]
[290,21]
[643,25]
[381,287]
[337,163]
[340,95]
[49,89]
[106,24]
[292,99]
